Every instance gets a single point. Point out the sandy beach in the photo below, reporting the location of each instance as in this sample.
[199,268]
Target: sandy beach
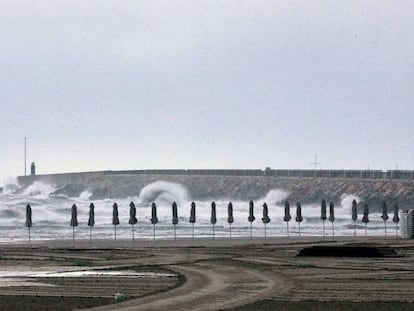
[204,274]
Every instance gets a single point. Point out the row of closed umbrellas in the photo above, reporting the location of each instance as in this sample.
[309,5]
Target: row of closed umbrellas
[230,219]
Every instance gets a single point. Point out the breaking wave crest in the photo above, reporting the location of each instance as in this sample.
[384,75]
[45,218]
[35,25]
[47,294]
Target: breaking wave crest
[39,190]
[275,196]
[163,192]
[11,185]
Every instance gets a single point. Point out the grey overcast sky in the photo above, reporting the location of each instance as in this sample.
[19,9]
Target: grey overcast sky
[100,85]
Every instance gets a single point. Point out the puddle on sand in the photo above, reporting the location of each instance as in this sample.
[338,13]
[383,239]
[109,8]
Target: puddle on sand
[11,282]
[27,278]
[101,273]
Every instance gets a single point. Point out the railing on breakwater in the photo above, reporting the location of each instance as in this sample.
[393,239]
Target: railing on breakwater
[359,174]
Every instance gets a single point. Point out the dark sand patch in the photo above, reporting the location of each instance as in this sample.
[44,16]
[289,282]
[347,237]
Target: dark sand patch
[39,303]
[274,305]
[348,251]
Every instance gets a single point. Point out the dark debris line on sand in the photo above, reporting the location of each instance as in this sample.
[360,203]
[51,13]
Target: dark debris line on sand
[275,305]
[30,303]
[353,250]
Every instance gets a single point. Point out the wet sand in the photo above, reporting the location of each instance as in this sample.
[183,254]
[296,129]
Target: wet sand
[202,274]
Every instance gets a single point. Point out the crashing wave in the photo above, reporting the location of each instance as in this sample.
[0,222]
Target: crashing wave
[275,196]
[39,190]
[162,191]
[85,195]
[11,185]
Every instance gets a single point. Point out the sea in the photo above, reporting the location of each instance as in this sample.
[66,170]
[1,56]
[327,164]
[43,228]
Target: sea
[51,215]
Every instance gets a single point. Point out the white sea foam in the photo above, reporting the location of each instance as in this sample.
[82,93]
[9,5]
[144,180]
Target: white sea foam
[346,202]
[85,195]
[39,190]
[11,185]
[275,196]
[51,215]
[164,192]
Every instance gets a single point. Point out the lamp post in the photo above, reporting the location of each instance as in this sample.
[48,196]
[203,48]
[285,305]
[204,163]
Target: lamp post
[25,142]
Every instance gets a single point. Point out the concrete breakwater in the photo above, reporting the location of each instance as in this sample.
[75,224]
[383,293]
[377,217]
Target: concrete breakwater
[250,185]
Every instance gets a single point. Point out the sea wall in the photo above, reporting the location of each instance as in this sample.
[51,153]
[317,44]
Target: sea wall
[241,185]
[81,177]
[58,180]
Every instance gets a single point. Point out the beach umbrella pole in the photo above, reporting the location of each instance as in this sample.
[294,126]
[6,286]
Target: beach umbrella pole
[213,232]
[323,221]
[175,236]
[333,230]
[29,233]
[287,228]
[354,228]
[153,231]
[193,230]
[73,233]
[133,237]
[90,234]
[115,231]
[251,231]
[396,230]
[299,228]
[365,229]
[265,231]
[230,230]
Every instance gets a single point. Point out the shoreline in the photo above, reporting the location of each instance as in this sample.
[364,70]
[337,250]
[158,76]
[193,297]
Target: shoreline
[84,243]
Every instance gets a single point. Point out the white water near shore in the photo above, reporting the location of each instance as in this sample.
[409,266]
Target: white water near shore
[51,215]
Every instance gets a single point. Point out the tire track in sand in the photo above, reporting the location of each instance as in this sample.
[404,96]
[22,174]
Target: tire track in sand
[209,286]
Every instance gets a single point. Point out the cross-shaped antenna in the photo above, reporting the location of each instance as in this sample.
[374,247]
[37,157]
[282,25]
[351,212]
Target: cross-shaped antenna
[315,164]
[25,142]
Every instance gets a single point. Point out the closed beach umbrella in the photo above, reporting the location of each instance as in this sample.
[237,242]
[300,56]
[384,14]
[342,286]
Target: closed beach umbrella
[365,218]
[299,217]
[193,215]
[74,220]
[332,216]
[384,216]
[174,217]
[132,214]
[354,210]
[28,223]
[115,218]
[213,218]
[174,213]
[287,216]
[396,218]
[91,220]
[265,218]
[251,217]
[230,218]
[132,217]
[154,218]
[323,214]
[354,214]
